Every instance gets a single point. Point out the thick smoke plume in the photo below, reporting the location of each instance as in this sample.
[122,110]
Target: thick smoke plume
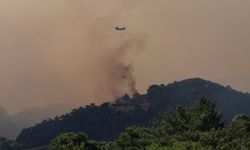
[65,51]
[118,74]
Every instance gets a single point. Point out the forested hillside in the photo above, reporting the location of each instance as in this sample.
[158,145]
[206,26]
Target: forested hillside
[197,127]
[105,122]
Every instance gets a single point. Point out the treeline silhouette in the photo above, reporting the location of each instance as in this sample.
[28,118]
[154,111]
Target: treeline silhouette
[107,121]
[197,127]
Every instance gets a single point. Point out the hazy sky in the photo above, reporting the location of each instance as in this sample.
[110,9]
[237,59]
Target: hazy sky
[64,51]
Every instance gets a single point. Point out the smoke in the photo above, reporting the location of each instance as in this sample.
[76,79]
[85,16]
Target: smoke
[54,51]
[65,51]
[118,72]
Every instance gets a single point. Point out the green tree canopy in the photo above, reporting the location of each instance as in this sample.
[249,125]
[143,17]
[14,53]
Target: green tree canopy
[73,141]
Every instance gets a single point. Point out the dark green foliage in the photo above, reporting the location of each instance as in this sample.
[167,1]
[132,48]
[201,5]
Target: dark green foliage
[197,127]
[186,123]
[69,141]
[135,138]
[79,141]
[236,134]
[73,141]
[107,121]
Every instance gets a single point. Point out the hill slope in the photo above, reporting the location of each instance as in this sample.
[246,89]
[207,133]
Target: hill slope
[33,115]
[105,122]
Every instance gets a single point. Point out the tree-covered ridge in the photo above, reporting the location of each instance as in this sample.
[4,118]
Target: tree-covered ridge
[105,122]
[100,122]
[198,127]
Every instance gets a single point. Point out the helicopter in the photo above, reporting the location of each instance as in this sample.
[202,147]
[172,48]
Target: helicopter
[120,28]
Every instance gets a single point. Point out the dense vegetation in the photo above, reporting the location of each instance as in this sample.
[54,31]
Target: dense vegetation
[198,127]
[107,121]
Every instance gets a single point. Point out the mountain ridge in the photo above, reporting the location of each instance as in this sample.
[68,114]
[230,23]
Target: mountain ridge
[106,121]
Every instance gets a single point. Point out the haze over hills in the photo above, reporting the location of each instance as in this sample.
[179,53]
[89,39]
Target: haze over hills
[11,125]
[106,121]
[73,46]
[30,116]
[87,52]
[7,127]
